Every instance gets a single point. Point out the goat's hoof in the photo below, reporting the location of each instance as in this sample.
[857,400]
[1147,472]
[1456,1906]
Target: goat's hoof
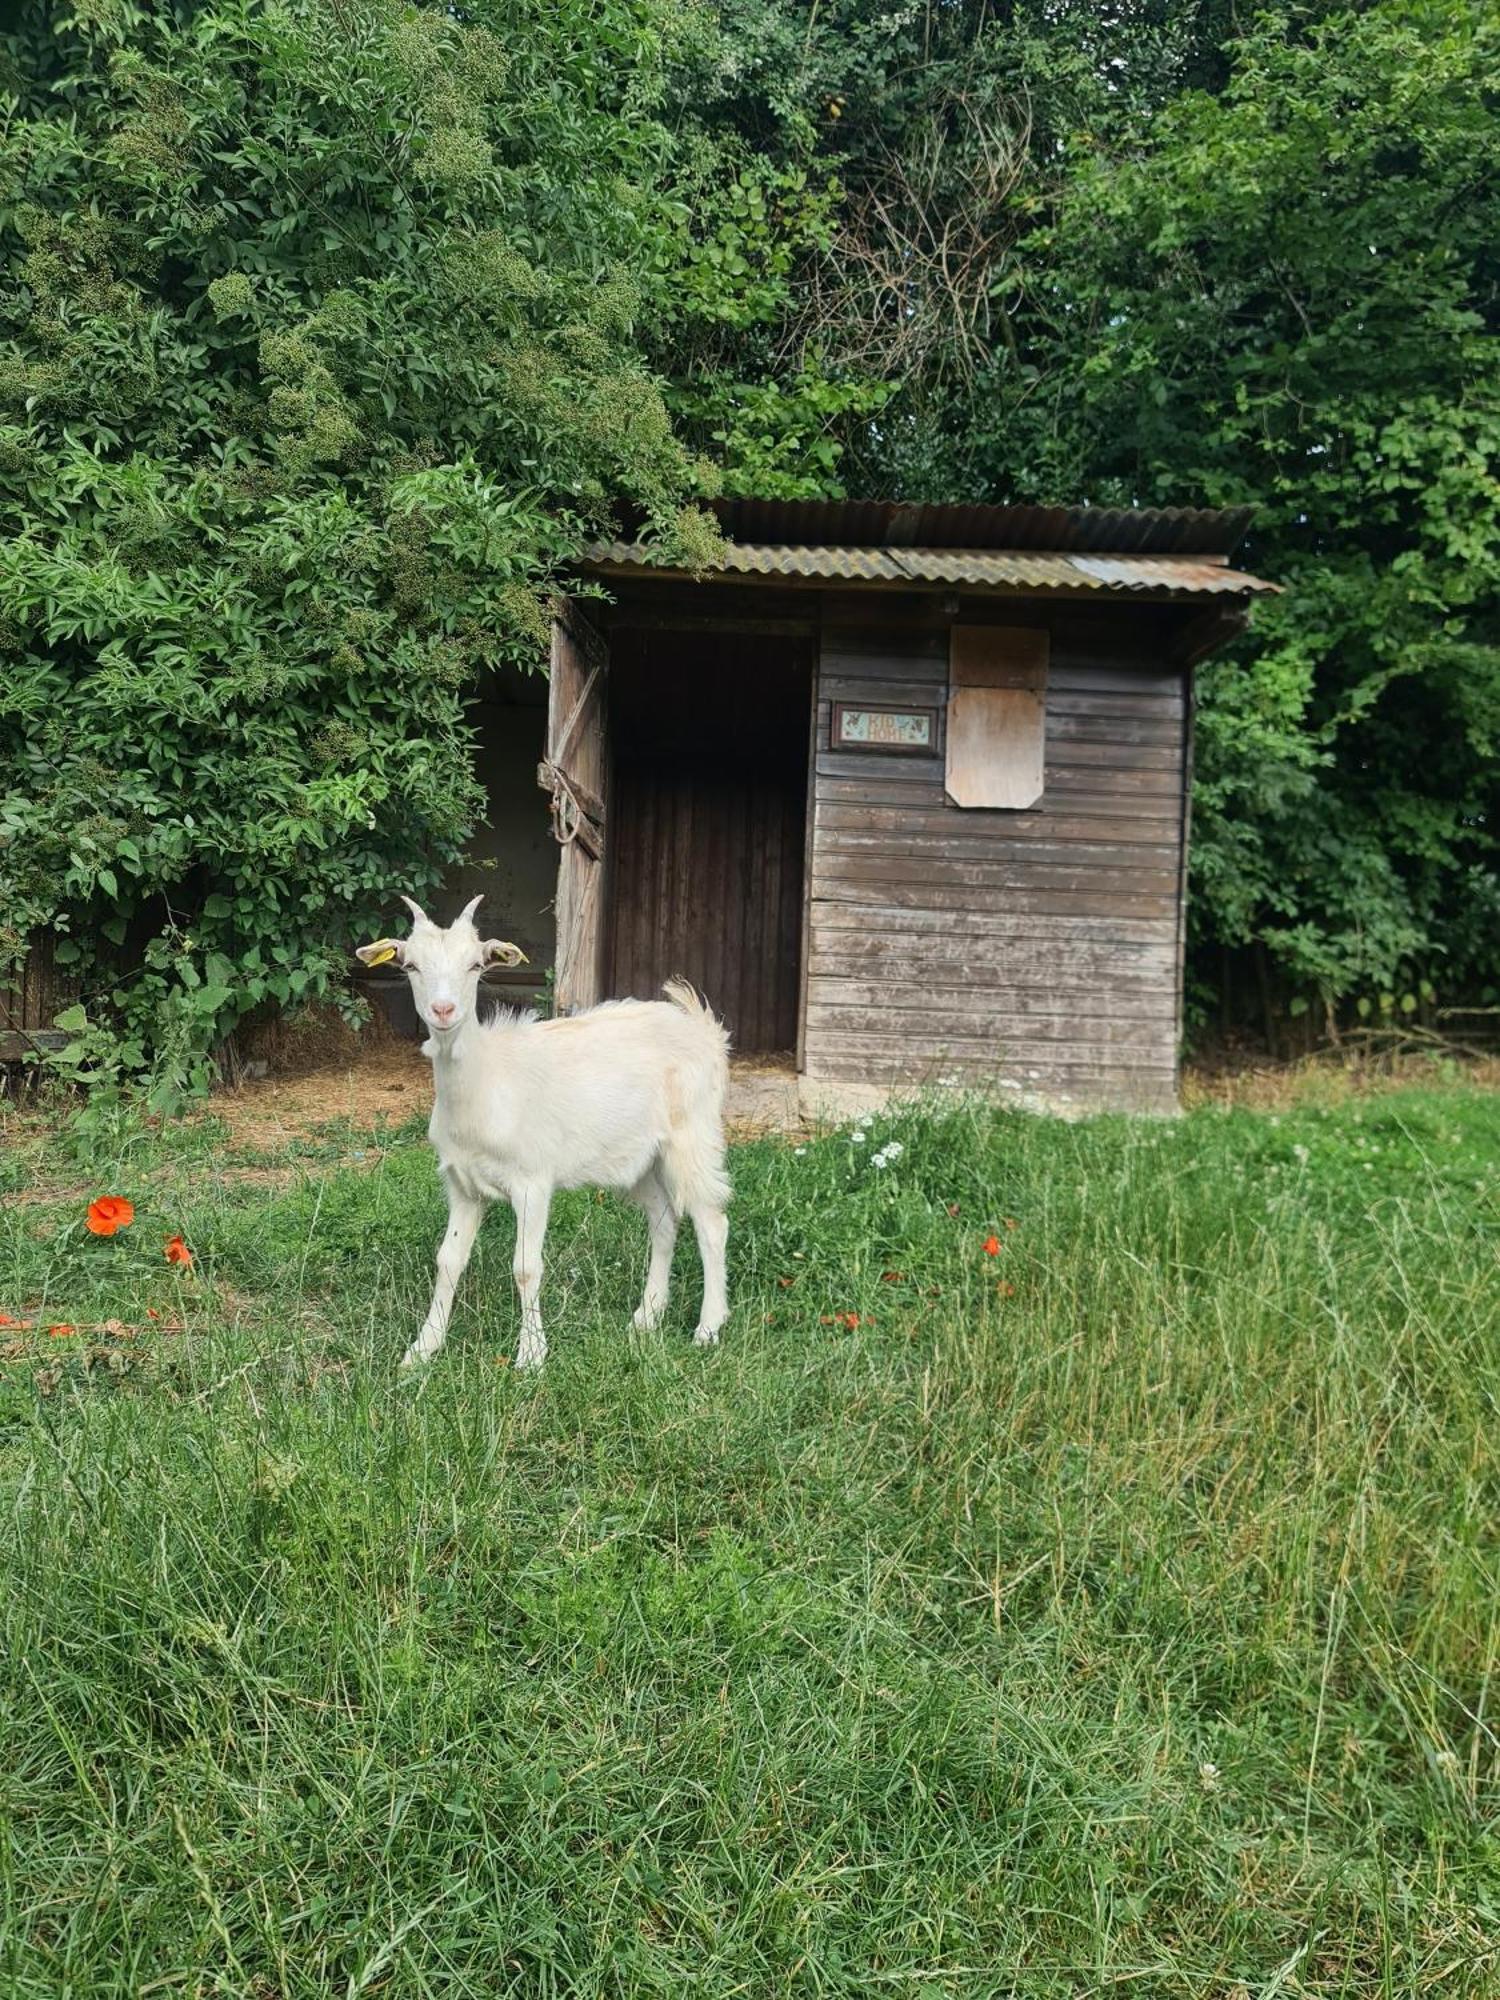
[413,1358]
[706,1336]
[646,1319]
[529,1358]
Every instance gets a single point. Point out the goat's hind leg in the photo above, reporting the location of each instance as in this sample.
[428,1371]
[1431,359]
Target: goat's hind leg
[465,1213]
[711,1226]
[650,1194]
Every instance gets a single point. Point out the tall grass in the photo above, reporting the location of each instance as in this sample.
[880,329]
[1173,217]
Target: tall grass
[1116,1612]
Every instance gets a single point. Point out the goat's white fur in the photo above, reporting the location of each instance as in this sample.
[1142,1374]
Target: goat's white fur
[628,1095]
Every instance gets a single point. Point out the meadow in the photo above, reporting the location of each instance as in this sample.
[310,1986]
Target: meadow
[1074,1574]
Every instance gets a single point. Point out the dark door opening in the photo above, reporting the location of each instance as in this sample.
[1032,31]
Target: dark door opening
[708,812]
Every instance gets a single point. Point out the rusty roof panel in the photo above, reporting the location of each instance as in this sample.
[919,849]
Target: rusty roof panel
[1156,531]
[986,569]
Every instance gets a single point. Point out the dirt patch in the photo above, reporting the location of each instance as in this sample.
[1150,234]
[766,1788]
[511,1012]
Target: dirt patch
[391,1081]
[1326,1079]
[387,1082]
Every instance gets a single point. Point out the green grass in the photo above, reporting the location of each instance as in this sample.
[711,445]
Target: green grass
[1130,1629]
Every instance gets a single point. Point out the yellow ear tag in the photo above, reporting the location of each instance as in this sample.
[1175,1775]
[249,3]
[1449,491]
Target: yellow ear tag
[383,956]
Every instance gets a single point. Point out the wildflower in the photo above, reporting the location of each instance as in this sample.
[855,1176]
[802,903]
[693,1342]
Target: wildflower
[177,1252]
[992,1246]
[62,1331]
[1208,1777]
[1006,1289]
[857,1136]
[1301,1155]
[798,1151]
[6,1320]
[1011,1223]
[110,1213]
[152,1313]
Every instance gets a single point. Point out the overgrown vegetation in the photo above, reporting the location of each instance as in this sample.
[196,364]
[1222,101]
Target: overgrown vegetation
[1109,1609]
[319,357]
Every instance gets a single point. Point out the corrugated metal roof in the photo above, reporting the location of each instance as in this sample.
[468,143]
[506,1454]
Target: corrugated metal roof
[991,569]
[875,524]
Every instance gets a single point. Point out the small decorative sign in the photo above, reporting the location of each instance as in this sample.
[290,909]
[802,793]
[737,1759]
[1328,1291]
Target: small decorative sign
[906,732]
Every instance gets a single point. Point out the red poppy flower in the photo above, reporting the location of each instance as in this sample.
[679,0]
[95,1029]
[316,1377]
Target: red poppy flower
[177,1251]
[62,1330]
[152,1313]
[111,1212]
[992,1246]
[6,1320]
[1006,1289]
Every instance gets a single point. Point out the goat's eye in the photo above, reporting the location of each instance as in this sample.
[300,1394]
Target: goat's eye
[477,966]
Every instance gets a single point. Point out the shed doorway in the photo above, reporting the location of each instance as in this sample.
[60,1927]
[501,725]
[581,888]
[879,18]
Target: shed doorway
[710,736]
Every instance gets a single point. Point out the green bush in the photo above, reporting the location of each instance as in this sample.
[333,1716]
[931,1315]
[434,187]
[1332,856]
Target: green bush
[320,358]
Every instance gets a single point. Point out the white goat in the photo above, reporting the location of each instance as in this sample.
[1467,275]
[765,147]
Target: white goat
[628,1095]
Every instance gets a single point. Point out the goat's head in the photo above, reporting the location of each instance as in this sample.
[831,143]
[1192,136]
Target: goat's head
[442,965]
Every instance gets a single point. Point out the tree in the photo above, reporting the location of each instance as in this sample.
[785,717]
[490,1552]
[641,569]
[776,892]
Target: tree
[322,356]
[1289,295]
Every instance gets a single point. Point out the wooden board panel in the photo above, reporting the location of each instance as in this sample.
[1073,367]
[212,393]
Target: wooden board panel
[576,773]
[997,711]
[876,919]
[1043,903]
[983,1001]
[915,825]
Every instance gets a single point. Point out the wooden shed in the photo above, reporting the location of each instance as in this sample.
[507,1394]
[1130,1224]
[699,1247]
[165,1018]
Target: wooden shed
[903,789]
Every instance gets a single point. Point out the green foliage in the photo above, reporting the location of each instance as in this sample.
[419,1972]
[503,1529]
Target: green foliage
[1287,296]
[1113,1614]
[320,358]
[1181,255]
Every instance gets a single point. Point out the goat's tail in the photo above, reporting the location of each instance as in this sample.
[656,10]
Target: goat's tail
[693,1156]
[688,1000]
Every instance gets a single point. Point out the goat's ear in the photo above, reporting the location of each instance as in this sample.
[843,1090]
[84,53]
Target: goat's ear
[497,952]
[382,952]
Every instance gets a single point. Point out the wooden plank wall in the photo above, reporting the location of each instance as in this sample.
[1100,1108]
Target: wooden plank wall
[1039,946]
[31,999]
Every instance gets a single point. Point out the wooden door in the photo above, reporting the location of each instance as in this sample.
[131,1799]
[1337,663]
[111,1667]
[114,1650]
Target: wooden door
[708,886]
[709,734]
[575,772]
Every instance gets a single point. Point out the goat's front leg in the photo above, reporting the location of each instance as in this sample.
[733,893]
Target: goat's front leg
[531,1204]
[464,1217]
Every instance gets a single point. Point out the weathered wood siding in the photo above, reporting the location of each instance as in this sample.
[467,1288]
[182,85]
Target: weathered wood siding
[31,998]
[1039,947]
